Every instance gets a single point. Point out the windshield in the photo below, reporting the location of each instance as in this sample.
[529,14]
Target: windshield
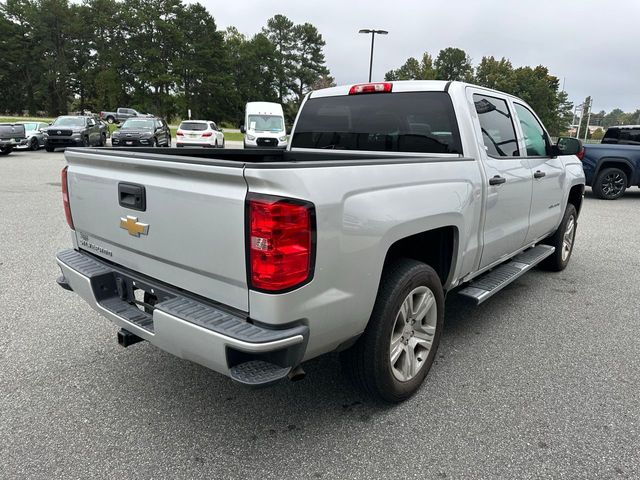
[193,126]
[138,124]
[69,122]
[266,123]
[391,122]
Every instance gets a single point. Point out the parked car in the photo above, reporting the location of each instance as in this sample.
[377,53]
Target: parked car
[142,132]
[11,134]
[199,133]
[34,138]
[121,114]
[75,131]
[613,165]
[264,126]
[389,196]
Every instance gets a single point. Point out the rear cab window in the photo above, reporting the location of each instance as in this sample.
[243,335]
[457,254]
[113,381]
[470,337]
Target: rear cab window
[412,122]
[629,136]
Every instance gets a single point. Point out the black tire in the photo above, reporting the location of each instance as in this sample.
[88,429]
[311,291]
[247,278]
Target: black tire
[556,262]
[103,140]
[154,142]
[168,145]
[610,184]
[86,142]
[368,362]
[6,151]
[222,146]
[33,144]
[49,149]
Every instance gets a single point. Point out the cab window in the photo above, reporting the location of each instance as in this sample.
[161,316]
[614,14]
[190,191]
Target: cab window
[498,132]
[535,138]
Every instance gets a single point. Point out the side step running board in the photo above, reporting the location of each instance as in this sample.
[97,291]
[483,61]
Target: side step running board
[485,286]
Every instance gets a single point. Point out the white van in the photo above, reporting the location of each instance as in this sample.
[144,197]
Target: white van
[264,126]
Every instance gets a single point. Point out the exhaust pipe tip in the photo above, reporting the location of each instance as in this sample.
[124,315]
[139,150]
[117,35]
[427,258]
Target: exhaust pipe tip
[297,374]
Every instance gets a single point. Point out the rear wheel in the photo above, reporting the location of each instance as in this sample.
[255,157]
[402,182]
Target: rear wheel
[610,184]
[6,150]
[393,356]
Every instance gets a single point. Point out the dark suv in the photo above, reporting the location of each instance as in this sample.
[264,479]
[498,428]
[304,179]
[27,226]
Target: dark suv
[142,132]
[614,165]
[75,131]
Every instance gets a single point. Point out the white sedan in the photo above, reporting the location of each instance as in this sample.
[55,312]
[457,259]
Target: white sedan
[199,133]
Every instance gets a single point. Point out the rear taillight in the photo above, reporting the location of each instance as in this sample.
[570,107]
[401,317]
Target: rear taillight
[281,242]
[580,154]
[207,134]
[65,197]
[371,88]
[179,133]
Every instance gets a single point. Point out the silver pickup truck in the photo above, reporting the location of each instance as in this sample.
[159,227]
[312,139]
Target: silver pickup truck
[389,196]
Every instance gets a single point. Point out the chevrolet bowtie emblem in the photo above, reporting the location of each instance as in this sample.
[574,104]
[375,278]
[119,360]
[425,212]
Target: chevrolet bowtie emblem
[135,228]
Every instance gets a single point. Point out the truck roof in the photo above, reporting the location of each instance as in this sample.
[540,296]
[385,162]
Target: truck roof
[404,86]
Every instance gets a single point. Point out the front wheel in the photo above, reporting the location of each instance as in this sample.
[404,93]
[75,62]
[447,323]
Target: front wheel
[610,184]
[393,356]
[6,150]
[33,144]
[562,239]
[49,149]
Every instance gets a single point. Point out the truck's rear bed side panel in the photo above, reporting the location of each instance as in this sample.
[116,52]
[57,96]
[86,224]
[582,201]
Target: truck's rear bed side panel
[361,210]
[195,214]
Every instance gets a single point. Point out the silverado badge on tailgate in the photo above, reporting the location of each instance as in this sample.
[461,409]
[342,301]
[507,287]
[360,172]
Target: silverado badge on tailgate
[135,228]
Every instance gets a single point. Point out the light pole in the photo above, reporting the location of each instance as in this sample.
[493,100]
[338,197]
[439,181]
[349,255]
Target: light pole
[373,36]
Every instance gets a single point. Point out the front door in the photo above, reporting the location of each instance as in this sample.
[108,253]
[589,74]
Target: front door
[548,175]
[509,176]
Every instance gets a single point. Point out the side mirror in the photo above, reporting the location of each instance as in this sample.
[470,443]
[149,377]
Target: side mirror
[242,129]
[568,146]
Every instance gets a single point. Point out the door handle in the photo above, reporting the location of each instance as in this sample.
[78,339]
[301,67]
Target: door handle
[539,174]
[497,180]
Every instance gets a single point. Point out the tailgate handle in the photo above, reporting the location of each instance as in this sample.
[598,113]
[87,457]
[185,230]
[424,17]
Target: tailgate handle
[132,196]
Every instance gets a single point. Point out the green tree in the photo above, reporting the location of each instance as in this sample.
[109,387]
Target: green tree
[495,74]
[281,33]
[414,70]
[309,62]
[453,64]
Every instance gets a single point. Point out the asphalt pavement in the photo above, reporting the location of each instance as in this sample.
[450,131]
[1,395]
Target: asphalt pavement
[542,381]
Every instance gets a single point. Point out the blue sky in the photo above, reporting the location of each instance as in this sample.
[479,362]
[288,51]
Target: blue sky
[593,47]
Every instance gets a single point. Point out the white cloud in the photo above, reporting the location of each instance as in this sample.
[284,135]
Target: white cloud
[589,43]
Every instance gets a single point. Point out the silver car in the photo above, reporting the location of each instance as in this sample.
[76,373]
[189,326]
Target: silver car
[34,136]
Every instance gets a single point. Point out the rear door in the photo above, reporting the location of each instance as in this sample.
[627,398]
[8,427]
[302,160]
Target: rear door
[188,231]
[509,176]
[548,174]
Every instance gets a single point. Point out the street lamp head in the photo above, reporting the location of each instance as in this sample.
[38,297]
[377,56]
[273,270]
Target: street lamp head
[370,30]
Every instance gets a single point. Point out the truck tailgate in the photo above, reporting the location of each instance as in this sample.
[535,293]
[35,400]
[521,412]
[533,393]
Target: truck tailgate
[190,233]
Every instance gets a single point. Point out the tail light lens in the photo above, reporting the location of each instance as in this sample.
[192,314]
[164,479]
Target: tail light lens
[371,88]
[207,134]
[281,243]
[65,197]
[179,133]
[580,154]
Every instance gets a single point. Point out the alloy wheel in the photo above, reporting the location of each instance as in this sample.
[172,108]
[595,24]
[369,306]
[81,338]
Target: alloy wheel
[413,333]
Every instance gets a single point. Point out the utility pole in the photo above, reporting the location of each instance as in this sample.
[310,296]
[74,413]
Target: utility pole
[586,130]
[373,36]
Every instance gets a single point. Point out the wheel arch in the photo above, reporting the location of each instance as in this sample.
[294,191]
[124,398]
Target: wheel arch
[437,247]
[576,196]
[622,163]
